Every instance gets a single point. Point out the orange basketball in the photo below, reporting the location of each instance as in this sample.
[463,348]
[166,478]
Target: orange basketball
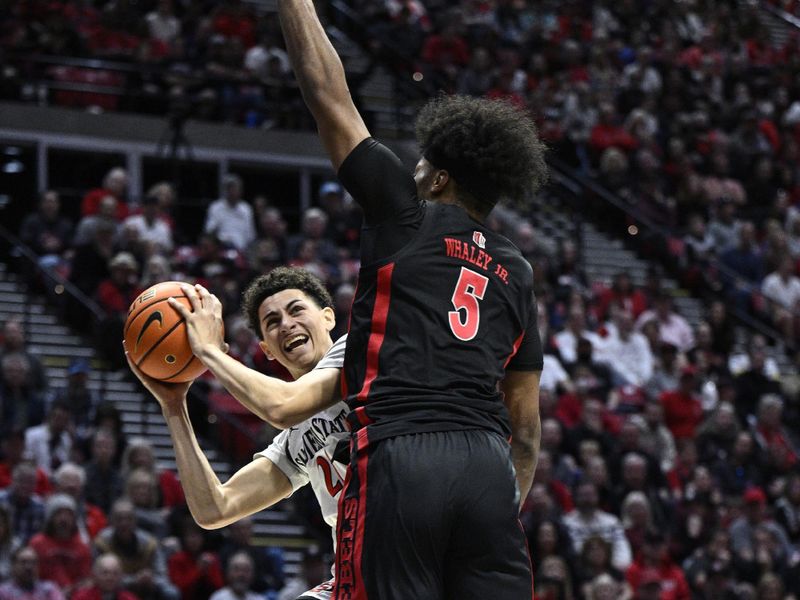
[155,335]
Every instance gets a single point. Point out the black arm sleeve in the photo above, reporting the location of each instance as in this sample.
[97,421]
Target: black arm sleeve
[529,354]
[378,181]
[386,191]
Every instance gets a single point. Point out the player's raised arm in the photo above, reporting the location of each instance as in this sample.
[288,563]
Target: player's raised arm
[321,78]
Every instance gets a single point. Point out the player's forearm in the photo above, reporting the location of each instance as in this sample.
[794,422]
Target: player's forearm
[316,64]
[264,396]
[200,484]
[525,455]
[282,404]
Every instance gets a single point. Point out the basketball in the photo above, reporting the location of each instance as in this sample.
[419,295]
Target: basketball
[156,338]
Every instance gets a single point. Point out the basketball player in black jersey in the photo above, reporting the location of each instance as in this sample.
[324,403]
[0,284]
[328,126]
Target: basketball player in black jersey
[443,356]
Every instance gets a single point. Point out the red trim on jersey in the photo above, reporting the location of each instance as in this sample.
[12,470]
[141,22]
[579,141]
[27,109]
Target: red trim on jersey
[514,349]
[361,415]
[379,314]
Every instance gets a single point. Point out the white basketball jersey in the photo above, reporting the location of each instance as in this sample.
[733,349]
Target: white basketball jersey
[305,452]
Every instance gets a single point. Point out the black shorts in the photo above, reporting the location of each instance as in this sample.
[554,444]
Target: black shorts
[430,516]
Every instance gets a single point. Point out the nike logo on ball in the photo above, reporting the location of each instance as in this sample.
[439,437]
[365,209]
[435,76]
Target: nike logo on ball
[154,316]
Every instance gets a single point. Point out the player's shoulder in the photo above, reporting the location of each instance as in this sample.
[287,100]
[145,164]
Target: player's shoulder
[334,357]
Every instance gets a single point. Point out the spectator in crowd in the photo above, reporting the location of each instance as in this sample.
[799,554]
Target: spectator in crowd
[115,184]
[47,232]
[8,543]
[93,256]
[81,400]
[672,327]
[24,582]
[70,480]
[781,288]
[746,266]
[595,559]
[151,228]
[162,24]
[106,215]
[107,483]
[627,352]
[194,569]
[787,508]
[22,405]
[49,445]
[267,562]
[754,381]
[587,520]
[139,552]
[313,228]
[14,341]
[106,581]
[744,529]
[141,489]
[683,412]
[621,295]
[576,329]
[140,455]
[654,556]
[312,572]
[64,558]
[230,218]
[773,438]
[12,453]
[239,577]
[717,434]
[26,508]
[656,438]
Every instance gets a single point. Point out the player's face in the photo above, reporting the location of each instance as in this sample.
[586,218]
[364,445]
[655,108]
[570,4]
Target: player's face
[425,176]
[295,331]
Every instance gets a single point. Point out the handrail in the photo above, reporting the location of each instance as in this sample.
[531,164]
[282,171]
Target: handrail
[587,183]
[789,18]
[69,287]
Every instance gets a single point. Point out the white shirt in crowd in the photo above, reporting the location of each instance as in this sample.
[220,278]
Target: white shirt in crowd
[631,358]
[567,343]
[233,225]
[157,232]
[783,292]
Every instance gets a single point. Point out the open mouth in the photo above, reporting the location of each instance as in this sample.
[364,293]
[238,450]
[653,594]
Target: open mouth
[294,342]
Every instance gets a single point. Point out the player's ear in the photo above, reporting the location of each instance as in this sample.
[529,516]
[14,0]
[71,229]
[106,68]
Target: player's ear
[439,182]
[328,318]
[265,349]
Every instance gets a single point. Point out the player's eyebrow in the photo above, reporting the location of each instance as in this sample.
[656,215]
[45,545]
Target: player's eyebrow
[287,307]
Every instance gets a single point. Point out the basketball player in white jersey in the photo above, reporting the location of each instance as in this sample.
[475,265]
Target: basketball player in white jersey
[292,313]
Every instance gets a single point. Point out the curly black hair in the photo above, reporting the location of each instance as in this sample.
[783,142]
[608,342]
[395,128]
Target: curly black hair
[490,148]
[277,280]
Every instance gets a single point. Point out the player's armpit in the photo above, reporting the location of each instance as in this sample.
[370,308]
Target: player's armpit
[252,488]
[521,396]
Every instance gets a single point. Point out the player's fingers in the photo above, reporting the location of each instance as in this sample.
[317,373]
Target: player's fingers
[204,295]
[180,308]
[191,293]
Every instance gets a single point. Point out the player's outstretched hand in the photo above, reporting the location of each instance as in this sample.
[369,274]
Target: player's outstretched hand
[204,321]
[169,395]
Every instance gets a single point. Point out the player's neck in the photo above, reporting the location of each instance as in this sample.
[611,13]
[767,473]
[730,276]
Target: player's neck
[454,201]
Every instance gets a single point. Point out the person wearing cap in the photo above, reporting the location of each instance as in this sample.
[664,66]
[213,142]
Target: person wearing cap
[82,400]
[755,517]
[230,218]
[115,294]
[654,564]
[64,558]
[150,226]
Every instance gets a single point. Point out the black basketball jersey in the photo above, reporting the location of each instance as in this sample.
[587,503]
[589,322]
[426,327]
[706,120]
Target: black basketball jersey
[443,306]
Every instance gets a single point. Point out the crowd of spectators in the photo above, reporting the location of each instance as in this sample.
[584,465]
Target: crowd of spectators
[86,513]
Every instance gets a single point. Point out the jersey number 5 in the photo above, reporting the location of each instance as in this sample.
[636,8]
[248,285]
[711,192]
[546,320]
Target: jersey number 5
[327,472]
[466,317]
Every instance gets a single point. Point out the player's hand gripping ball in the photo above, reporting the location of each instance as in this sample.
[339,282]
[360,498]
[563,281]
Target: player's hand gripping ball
[156,338]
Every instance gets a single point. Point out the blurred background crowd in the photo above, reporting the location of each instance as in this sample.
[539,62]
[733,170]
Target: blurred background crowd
[670,463]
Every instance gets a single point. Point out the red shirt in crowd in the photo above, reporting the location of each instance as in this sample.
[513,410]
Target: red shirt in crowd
[43,486]
[64,562]
[94,593]
[682,413]
[91,203]
[190,577]
[440,51]
[604,136]
[673,582]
